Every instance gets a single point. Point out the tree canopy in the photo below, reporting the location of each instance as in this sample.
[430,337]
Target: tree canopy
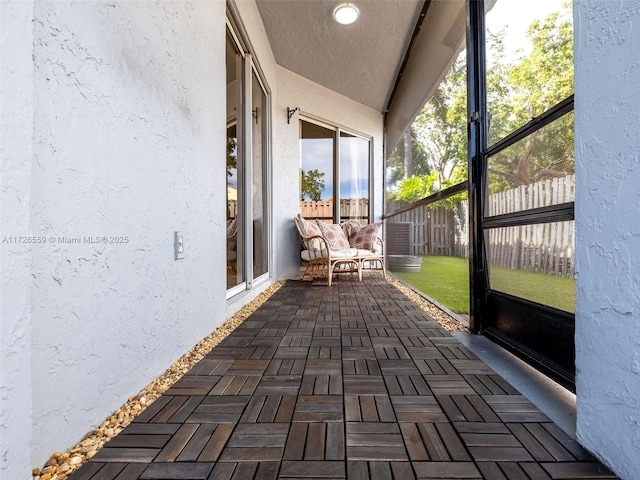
[312,185]
[518,89]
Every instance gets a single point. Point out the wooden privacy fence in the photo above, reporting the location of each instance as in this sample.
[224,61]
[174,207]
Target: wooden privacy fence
[544,248]
[350,209]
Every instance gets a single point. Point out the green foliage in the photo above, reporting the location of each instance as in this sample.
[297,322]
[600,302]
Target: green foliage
[232,155]
[408,159]
[417,187]
[446,280]
[535,84]
[517,90]
[312,185]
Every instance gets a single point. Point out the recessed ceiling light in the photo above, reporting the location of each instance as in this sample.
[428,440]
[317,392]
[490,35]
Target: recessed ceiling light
[346,13]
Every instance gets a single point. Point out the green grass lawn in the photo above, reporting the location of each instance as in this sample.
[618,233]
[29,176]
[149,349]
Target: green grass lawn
[446,280]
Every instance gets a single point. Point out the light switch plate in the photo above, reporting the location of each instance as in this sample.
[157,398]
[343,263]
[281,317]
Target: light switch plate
[178,245]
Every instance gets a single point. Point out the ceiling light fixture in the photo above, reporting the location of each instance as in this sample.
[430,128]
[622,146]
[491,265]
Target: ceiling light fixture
[346,13]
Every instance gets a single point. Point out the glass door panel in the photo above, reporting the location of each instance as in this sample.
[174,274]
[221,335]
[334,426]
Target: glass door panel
[259,187]
[354,178]
[234,169]
[317,146]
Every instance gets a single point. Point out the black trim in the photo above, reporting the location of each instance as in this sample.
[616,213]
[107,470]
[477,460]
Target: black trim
[536,123]
[477,136]
[561,375]
[416,31]
[441,195]
[567,317]
[561,212]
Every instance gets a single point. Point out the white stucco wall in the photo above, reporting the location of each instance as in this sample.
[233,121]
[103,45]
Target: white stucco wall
[128,141]
[16,131]
[116,118]
[607,93]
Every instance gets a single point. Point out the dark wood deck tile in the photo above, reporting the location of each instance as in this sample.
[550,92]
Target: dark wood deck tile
[484,427]
[279,385]
[255,454]
[319,408]
[451,470]
[513,471]
[148,413]
[215,445]
[364,385]
[350,353]
[569,443]
[312,469]
[141,441]
[173,448]
[323,367]
[130,455]
[402,471]
[88,470]
[554,447]
[132,471]
[294,448]
[491,470]
[456,449]
[534,471]
[533,446]
[398,367]
[470,413]
[361,366]
[577,470]
[335,437]
[287,366]
[417,409]
[186,409]
[177,471]
[150,429]
[500,454]
[109,471]
[320,382]
[483,409]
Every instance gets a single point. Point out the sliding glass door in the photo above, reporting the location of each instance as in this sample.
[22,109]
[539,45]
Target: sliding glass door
[247,170]
[334,173]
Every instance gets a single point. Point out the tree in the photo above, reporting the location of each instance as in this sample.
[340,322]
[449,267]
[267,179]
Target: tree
[232,155]
[536,83]
[408,159]
[312,185]
[517,90]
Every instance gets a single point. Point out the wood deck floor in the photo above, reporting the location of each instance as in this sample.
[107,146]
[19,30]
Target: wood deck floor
[350,381]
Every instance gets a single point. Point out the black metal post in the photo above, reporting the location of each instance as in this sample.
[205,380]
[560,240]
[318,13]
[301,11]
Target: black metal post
[477,135]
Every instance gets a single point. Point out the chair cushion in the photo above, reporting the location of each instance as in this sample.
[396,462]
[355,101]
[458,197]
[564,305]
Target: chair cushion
[309,229]
[365,237]
[335,254]
[334,235]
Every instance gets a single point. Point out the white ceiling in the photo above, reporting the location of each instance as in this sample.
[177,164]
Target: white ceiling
[360,61]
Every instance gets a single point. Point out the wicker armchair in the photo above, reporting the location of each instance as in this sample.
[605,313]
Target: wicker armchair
[322,261]
[370,259]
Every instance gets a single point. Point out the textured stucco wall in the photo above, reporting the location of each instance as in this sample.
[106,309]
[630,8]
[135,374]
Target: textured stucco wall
[16,130]
[129,142]
[607,92]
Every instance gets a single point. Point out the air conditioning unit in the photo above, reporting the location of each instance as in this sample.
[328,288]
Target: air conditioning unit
[399,238]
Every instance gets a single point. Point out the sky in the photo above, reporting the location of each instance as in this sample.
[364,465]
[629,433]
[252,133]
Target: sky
[317,154]
[516,16]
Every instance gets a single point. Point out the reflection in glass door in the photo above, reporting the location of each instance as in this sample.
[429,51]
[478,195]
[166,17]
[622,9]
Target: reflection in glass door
[235,172]
[354,178]
[317,146]
[259,170]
